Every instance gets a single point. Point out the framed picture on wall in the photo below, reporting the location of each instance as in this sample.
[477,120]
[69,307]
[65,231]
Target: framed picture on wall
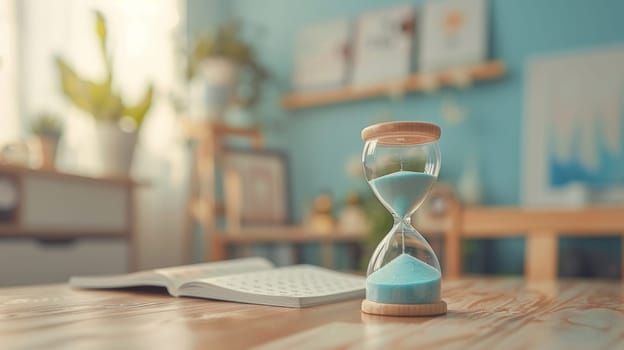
[260,186]
[574,128]
[454,33]
[382,50]
[322,56]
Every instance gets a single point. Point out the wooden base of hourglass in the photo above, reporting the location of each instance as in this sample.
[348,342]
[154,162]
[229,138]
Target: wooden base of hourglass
[406,310]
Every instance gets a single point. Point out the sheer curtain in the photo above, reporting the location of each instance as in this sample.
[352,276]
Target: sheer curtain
[9,126]
[143,42]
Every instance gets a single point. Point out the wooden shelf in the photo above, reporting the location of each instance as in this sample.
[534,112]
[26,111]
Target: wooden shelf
[23,170]
[202,129]
[414,83]
[206,207]
[52,233]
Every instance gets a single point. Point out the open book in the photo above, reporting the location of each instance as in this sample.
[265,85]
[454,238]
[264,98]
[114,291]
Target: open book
[248,280]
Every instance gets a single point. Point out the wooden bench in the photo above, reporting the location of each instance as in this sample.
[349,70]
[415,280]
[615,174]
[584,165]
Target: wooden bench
[541,227]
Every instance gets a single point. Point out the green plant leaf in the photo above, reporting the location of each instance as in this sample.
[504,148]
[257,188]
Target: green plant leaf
[102,34]
[93,97]
[74,88]
[138,111]
[100,27]
[98,98]
[47,124]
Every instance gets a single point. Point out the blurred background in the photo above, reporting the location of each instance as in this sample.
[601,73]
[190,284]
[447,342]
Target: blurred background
[146,133]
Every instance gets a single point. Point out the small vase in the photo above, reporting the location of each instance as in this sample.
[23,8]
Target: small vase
[46,149]
[240,117]
[212,89]
[115,149]
[469,186]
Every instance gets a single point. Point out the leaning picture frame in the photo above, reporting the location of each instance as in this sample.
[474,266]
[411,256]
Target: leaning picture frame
[572,151]
[383,35]
[257,186]
[324,45]
[454,34]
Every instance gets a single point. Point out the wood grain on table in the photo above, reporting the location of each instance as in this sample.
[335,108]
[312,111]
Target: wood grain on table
[483,314]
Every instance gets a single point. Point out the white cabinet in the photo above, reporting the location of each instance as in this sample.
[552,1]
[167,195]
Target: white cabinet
[62,205]
[32,261]
[58,225]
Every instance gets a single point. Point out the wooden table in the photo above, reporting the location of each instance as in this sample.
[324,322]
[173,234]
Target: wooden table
[483,313]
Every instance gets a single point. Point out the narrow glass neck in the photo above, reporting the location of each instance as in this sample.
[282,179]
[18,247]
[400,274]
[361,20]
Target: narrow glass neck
[407,220]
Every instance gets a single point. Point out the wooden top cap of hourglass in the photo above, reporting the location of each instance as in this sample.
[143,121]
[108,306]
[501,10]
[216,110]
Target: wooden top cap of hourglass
[402,133]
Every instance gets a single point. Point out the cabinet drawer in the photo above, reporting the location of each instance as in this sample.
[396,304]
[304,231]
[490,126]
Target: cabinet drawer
[60,205]
[29,261]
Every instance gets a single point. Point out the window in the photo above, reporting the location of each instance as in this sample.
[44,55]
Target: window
[9,122]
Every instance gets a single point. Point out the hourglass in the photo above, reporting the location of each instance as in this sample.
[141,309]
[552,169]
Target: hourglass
[401,164]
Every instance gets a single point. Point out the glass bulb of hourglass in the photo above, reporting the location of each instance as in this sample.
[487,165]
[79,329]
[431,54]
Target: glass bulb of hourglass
[402,193]
[401,163]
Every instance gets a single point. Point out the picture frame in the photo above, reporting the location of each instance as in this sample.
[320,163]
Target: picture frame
[258,188]
[385,35]
[573,150]
[454,34]
[326,45]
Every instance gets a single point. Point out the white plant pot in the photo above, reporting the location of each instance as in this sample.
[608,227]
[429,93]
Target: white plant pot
[212,88]
[238,116]
[115,149]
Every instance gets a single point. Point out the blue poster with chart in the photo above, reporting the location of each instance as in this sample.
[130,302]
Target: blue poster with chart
[574,131]
[592,159]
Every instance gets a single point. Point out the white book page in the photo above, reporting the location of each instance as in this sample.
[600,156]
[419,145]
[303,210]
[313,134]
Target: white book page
[182,274]
[293,286]
[172,277]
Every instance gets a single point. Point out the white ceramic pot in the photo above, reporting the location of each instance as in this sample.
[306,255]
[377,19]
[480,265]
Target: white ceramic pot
[45,149]
[239,117]
[115,148]
[212,89]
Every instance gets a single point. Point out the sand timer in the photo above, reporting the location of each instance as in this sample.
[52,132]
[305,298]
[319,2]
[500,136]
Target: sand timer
[401,164]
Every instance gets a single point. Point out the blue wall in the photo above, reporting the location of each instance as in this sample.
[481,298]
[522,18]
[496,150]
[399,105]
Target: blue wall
[320,140]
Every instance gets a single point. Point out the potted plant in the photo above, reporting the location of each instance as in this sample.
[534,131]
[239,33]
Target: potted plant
[47,129]
[117,122]
[217,63]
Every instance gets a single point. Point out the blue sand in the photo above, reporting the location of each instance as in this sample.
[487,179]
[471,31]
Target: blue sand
[402,190]
[404,280]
